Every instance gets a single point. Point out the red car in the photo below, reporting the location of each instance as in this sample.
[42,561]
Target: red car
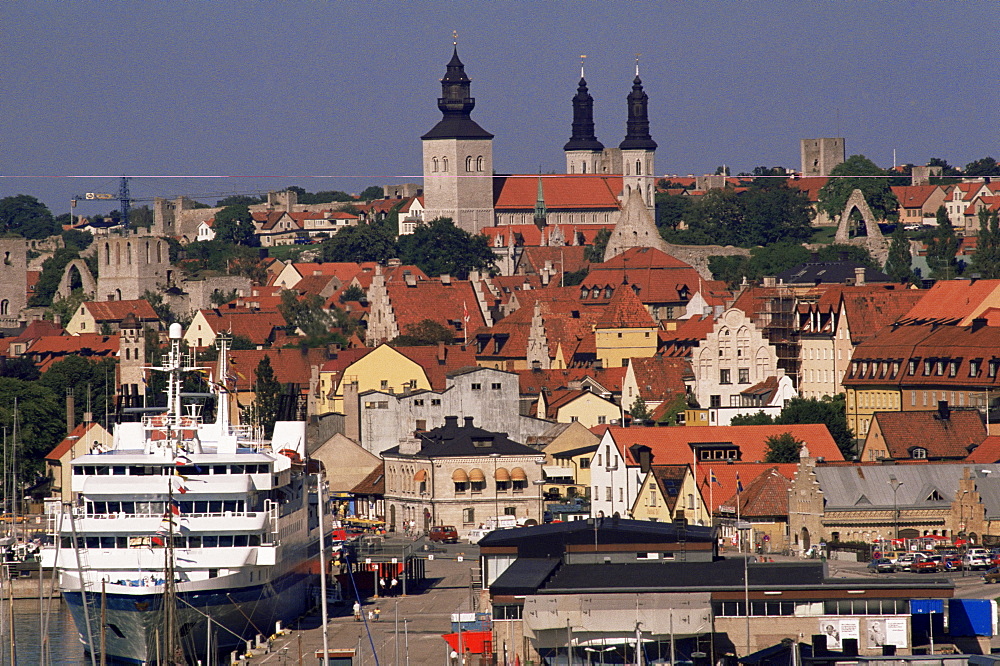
[932,564]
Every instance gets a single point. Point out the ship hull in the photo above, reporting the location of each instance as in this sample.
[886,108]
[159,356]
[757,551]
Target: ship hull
[135,620]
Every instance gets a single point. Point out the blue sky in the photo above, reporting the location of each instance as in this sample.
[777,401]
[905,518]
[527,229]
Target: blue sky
[275,92]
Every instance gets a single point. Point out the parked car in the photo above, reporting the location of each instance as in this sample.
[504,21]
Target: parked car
[444,534]
[991,575]
[905,562]
[976,558]
[881,566]
[952,561]
[931,564]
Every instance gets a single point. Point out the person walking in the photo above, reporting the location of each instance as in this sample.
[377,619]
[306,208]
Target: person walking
[357,612]
[378,613]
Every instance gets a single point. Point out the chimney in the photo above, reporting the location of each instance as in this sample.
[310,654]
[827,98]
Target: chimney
[442,354]
[770,281]
[978,323]
[409,446]
[944,413]
[468,421]
[70,412]
[445,278]
[859,276]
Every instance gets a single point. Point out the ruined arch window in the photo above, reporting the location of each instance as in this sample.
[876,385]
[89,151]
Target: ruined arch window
[147,252]
[444,164]
[434,163]
[480,163]
[638,167]
[468,163]
[107,253]
[159,255]
[118,254]
[4,307]
[128,253]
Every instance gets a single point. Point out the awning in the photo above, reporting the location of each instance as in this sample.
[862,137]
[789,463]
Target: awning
[459,476]
[557,472]
[420,476]
[517,474]
[477,476]
[502,474]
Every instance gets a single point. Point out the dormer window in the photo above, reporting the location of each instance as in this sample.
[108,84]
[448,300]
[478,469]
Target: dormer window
[864,368]
[974,365]
[919,453]
[913,367]
[953,368]
[927,367]
[939,368]
[935,496]
[854,367]
[895,368]
[992,371]
[608,291]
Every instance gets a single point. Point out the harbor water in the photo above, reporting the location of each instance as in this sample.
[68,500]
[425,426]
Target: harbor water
[63,644]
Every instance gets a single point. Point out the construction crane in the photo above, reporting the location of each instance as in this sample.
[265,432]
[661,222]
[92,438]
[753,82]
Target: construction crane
[123,197]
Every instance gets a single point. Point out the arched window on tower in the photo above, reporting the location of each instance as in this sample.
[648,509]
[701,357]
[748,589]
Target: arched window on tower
[4,307]
[107,253]
[128,253]
[584,167]
[572,168]
[147,252]
[627,169]
[159,256]
[468,163]
[638,167]
[435,164]
[480,163]
[444,164]
[118,254]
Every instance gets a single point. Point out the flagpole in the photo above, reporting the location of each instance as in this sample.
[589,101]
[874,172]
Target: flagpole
[739,537]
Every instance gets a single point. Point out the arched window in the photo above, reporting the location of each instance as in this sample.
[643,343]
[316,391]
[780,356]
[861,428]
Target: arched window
[147,252]
[159,256]
[638,167]
[628,190]
[627,169]
[434,163]
[127,355]
[480,163]
[107,253]
[4,307]
[118,254]
[118,294]
[583,167]
[468,163]
[128,253]
[444,164]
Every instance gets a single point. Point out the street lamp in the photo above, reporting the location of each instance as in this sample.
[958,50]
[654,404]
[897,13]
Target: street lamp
[895,483]
[538,483]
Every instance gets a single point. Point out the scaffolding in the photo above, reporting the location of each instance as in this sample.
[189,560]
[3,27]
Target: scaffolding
[779,321]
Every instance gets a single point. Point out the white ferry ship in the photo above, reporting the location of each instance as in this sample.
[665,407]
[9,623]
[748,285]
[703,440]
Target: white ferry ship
[198,513]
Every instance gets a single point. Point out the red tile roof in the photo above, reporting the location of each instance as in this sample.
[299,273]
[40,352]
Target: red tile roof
[561,192]
[289,365]
[625,311]
[952,301]
[438,360]
[532,382]
[942,438]
[871,308]
[687,335]
[73,439]
[373,484]
[987,452]
[671,445]
[723,493]
[661,377]
[106,311]
[764,496]
[256,325]
[914,196]
[811,186]
[446,304]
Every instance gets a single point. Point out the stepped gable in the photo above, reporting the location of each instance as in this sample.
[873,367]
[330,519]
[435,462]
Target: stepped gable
[625,311]
[635,228]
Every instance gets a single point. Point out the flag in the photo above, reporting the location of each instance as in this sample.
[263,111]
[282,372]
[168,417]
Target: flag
[182,460]
[712,478]
[174,509]
[241,375]
[739,484]
[158,540]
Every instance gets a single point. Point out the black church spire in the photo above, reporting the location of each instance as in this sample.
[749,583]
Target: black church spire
[583,120]
[456,104]
[637,128]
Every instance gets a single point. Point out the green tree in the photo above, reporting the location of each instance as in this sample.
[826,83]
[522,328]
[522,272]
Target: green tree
[638,411]
[984,167]
[24,215]
[986,260]
[77,240]
[769,260]
[426,332]
[41,421]
[267,393]
[160,307]
[364,242]
[234,224]
[717,217]
[18,367]
[353,293]
[760,418]
[947,170]
[783,448]
[594,253]
[308,315]
[671,209]
[942,247]
[838,252]
[371,193]
[574,278]
[831,411]
[92,383]
[140,217]
[859,173]
[441,248]
[898,263]
[52,270]
[240,200]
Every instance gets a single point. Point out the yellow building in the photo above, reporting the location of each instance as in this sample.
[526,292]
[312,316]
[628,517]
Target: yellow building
[567,473]
[577,406]
[380,369]
[667,493]
[625,330]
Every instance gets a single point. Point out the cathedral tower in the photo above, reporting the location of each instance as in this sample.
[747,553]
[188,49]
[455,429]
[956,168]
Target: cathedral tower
[583,150]
[638,149]
[458,157]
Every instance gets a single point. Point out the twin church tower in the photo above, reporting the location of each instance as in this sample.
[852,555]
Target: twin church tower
[459,181]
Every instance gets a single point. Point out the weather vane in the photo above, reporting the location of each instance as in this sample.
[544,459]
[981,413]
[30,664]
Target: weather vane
[637,63]
[582,58]
[454,36]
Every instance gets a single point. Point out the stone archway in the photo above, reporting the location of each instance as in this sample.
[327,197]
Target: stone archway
[392,517]
[857,202]
[804,541]
[76,268]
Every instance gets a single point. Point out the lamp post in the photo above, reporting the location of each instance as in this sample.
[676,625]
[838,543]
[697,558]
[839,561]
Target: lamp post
[496,492]
[895,483]
[538,483]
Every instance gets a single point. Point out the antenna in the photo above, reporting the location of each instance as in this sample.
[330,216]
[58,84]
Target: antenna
[454,37]
[637,63]
[582,58]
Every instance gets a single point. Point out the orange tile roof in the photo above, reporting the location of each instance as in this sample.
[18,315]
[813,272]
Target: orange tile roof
[672,445]
[661,377]
[568,259]
[688,334]
[914,196]
[987,452]
[871,308]
[446,304]
[439,360]
[343,270]
[952,301]
[561,192]
[764,496]
[105,311]
[625,311]
[289,365]
[71,440]
[811,186]
[256,325]
[942,438]
[723,493]
[532,382]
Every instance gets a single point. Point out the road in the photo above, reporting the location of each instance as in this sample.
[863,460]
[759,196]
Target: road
[422,618]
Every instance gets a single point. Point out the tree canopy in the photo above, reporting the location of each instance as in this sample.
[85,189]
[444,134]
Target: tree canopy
[234,224]
[942,248]
[426,332]
[24,215]
[980,168]
[986,260]
[783,448]
[41,421]
[364,242]
[898,263]
[371,193]
[831,411]
[441,248]
[859,173]
[267,394]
